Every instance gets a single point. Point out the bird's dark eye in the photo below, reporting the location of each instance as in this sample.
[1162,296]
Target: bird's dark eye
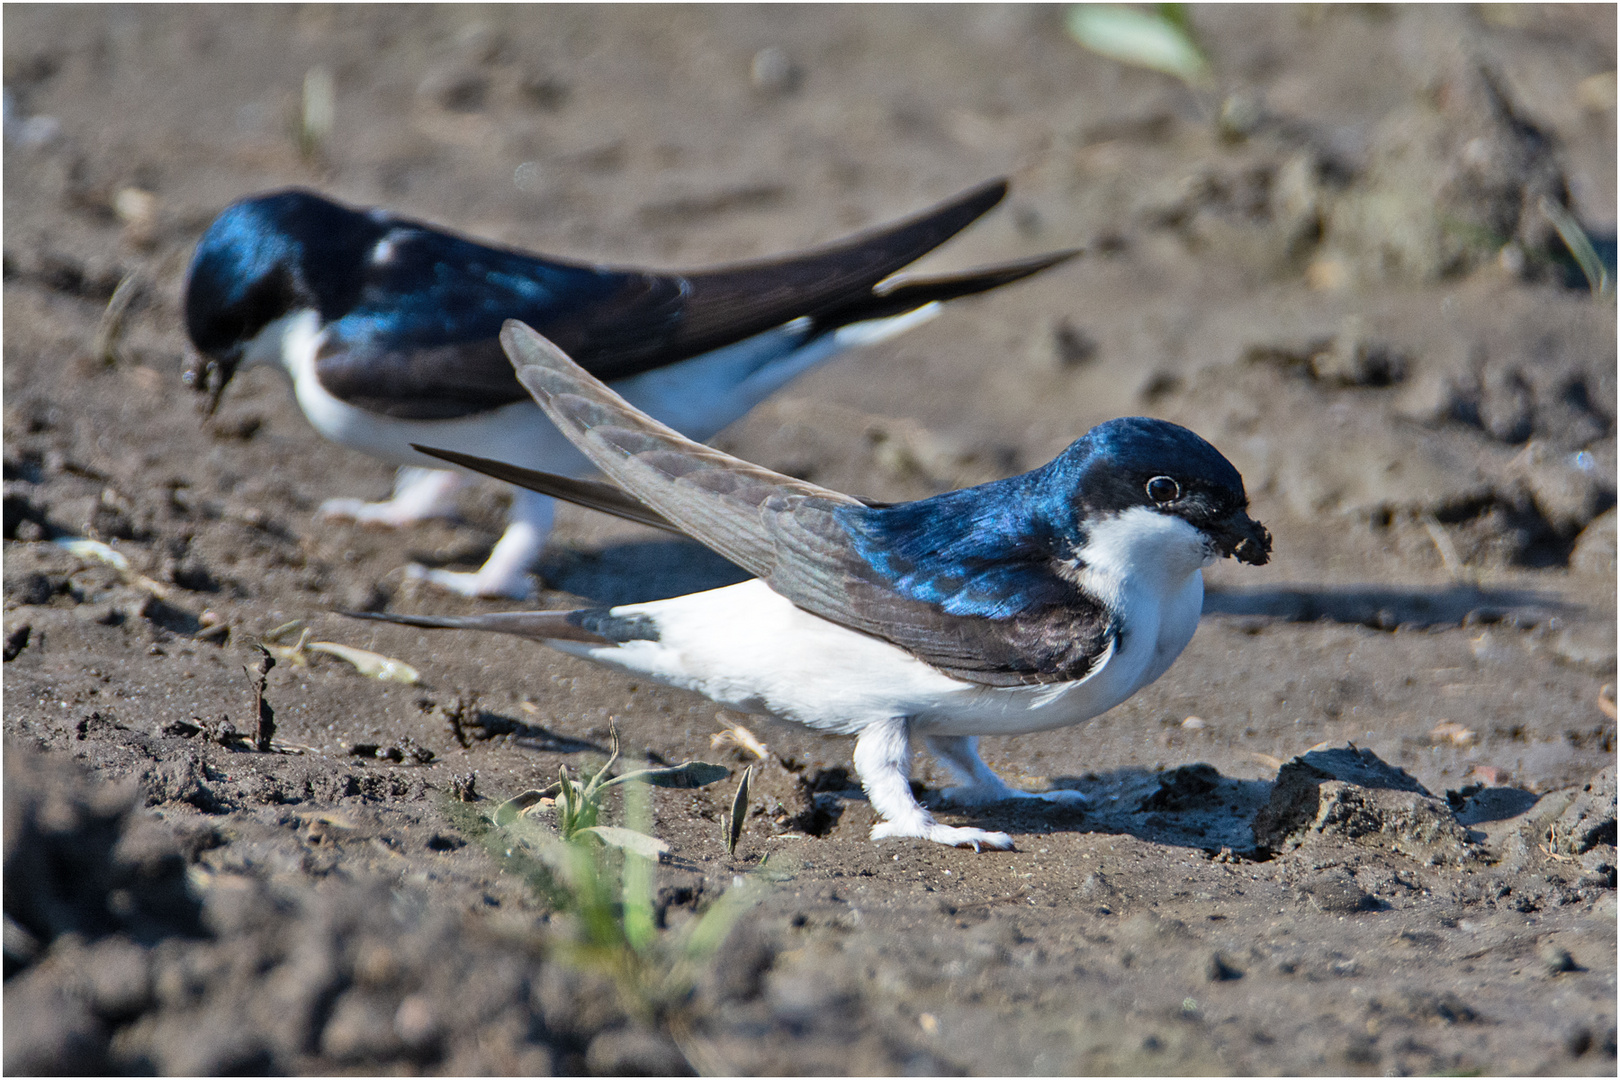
[1162,489]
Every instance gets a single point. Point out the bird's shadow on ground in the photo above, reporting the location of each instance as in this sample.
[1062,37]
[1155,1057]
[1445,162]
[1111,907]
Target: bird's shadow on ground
[1193,806]
[1386,607]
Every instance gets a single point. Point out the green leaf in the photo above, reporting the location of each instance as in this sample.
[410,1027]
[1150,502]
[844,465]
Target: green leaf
[638,843]
[688,774]
[1159,40]
[739,812]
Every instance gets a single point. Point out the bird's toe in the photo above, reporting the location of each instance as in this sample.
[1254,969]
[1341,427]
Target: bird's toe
[387,515]
[1063,796]
[505,587]
[341,509]
[977,839]
[949,835]
[973,795]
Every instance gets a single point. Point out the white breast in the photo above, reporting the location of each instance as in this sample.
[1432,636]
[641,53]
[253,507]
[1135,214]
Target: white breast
[1147,567]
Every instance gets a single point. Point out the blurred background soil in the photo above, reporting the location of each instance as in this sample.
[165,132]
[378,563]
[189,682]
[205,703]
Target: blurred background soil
[1330,258]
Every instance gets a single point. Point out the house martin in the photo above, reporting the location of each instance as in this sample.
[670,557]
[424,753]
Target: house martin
[388,328]
[1020,605]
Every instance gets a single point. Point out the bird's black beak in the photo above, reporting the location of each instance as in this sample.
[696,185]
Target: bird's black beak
[1244,539]
[210,375]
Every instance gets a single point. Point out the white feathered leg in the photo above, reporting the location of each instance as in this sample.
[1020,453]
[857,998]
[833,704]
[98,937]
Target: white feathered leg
[506,572]
[883,760]
[978,785]
[419,494]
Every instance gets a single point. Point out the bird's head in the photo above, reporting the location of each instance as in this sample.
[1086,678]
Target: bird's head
[262,259]
[1140,464]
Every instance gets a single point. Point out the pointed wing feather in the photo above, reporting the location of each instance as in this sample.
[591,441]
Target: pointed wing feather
[713,497]
[899,294]
[592,494]
[760,294]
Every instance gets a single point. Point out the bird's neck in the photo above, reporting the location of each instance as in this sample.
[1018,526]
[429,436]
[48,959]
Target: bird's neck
[287,342]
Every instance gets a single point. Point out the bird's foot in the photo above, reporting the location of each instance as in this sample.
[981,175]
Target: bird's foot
[985,794]
[419,495]
[389,514]
[480,583]
[977,839]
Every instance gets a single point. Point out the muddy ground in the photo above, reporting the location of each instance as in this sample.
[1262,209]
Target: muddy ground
[1330,260]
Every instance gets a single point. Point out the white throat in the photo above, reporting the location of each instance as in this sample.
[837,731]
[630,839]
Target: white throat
[1142,549]
[289,341]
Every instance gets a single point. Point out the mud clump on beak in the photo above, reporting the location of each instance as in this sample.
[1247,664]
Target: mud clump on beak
[210,375]
[1246,540]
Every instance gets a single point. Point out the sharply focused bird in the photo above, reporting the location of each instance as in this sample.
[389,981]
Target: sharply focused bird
[1019,605]
[388,329]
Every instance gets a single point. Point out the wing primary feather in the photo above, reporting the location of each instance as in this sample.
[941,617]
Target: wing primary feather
[592,494]
[901,293]
[916,291]
[728,302]
[717,499]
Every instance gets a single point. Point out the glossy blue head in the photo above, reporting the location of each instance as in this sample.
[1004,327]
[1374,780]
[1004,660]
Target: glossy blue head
[997,549]
[1137,461]
[264,258]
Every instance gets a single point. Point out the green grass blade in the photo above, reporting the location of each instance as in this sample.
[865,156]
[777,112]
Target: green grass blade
[1580,246]
[641,853]
[739,812]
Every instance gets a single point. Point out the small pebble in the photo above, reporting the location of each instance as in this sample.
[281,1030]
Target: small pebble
[138,210]
[416,1023]
[1578,1041]
[455,89]
[773,71]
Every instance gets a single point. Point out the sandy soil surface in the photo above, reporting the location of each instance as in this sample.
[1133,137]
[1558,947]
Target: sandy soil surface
[1331,262]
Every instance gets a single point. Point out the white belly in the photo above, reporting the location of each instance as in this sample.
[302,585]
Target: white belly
[750,649]
[697,397]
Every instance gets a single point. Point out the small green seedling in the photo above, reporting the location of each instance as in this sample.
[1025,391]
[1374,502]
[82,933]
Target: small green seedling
[577,805]
[604,877]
